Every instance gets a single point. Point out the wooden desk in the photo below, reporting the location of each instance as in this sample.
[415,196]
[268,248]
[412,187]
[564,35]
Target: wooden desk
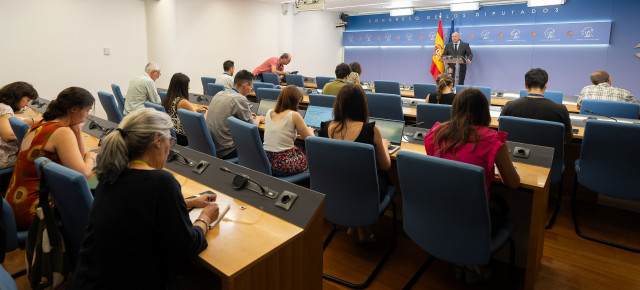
[251,248]
[536,179]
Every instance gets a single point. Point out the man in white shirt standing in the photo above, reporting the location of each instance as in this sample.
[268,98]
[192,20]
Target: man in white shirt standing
[601,89]
[226,78]
[142,88]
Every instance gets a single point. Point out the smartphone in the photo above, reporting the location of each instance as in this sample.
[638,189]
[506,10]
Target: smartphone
[575,130]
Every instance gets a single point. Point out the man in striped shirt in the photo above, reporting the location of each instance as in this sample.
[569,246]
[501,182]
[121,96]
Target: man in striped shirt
[601,89]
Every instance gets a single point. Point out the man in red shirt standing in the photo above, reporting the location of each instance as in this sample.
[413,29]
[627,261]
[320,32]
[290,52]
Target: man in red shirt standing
[274,65]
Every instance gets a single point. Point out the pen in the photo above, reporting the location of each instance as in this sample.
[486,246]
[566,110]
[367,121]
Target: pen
[208,200]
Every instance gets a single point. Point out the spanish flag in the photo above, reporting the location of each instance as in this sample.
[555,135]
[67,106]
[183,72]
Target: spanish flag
[437,67]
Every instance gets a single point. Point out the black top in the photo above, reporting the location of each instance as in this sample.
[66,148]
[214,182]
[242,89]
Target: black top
[138,227]
[445,99]
[365,136]
[540,109]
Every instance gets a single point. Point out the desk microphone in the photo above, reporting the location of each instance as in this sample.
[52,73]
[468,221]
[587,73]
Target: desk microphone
[415,125]
[37,103]
[173,153]
[240,181]
[202,98]
[93,125]
[592,112]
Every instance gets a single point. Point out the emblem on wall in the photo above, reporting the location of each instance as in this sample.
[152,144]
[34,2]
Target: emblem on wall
[550,33]
[637,46]
[515,34]
[587,32]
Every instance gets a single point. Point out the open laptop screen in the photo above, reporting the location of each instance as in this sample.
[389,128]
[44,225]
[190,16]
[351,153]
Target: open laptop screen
[264,106]
[390,129]
[316,115]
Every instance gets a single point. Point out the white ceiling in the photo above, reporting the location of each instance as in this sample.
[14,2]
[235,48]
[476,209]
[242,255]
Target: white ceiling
[380,6]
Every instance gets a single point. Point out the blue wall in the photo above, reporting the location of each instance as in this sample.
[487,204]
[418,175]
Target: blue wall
[503,67]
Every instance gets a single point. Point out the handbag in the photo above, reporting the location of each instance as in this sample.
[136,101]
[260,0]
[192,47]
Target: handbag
[48,263]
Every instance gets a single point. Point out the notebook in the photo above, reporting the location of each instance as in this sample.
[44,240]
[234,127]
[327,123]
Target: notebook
[195,213]
[390,130]
[264,106]
[316,115]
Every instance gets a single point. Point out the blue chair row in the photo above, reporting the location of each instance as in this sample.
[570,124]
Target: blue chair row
[119,98]
[610,108]
[320,100]
[322,81]
[267,93]
[257,85]
[108,102]
[385,106]
[214,89]
[485,90]
[271,78]
[296,80]
[198,135]
[205,81]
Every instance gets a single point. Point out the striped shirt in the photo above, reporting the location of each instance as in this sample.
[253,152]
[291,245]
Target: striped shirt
[605,91]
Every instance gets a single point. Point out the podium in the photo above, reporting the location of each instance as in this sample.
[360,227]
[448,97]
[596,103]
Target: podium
[454,61]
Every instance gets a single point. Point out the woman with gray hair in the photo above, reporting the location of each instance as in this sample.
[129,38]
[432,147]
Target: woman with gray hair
[139,225]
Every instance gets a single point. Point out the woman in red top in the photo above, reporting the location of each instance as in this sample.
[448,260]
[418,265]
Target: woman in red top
[468,138]
[57,137]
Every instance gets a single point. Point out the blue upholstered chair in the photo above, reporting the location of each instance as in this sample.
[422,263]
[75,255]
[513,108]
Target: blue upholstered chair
[555,96]
[269,94]
[610,108]
[485,90]
[321,81]
[205,81]
[13,239]
[258,85]
[161,109]
[251,154]
[72,198]
[385,106]
[296,80]
[346,173]
[270,78]
[421,91]
[436,218]
[320,100]
[387,87]
[119,98]
[613,172]
[542,133]
[19,128]
[162,95]
[108,102]
[198,135]
[215,88]
[6,281]
[429,114]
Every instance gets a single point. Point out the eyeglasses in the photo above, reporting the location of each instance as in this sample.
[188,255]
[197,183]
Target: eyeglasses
[172,141]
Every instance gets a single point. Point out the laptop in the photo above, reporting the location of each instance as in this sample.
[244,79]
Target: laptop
[390,130]
[316,115]
[264,106]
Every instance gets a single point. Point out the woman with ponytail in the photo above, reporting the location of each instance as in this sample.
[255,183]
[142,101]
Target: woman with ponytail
[58,137]
[445,94]
[139,225]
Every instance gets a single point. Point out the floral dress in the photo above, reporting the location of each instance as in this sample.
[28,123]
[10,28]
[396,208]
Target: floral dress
[22,193]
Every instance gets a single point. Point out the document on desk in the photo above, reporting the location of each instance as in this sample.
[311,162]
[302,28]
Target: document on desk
[195,213]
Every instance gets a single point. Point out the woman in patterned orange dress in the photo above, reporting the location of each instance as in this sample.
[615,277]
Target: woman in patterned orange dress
[56,137]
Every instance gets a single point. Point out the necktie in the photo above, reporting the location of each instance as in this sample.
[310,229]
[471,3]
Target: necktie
[455,47]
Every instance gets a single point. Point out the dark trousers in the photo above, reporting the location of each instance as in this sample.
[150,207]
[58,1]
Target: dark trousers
[463,72]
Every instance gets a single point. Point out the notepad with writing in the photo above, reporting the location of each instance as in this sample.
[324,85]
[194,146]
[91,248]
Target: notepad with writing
[195,213]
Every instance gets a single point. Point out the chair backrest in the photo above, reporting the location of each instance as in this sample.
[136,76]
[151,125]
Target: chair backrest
[555,96]
[346,173]
[215,88]
[610,108]
[6,281]
[152,105]
[429,114]
[387,87]
[269,94]
[485,90]
[614,171]
[320,100]
[246,139]
[258,85]
[537,132]
[270,78]
[447,218]
[19,128]
[205,81]
[119,98]
[10,229]
[385,106]
[421,91]
[162,95]
[321,81]
[108,102]
[73,199]
[198,135]
[296,80]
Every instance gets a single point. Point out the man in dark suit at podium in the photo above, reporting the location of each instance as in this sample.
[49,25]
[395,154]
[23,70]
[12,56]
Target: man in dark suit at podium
[458,48]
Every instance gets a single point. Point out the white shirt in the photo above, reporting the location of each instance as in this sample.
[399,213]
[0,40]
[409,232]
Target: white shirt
[141,89]
[226,80]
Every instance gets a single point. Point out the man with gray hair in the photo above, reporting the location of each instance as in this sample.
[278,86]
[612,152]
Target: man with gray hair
[601,89]
[142,88]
